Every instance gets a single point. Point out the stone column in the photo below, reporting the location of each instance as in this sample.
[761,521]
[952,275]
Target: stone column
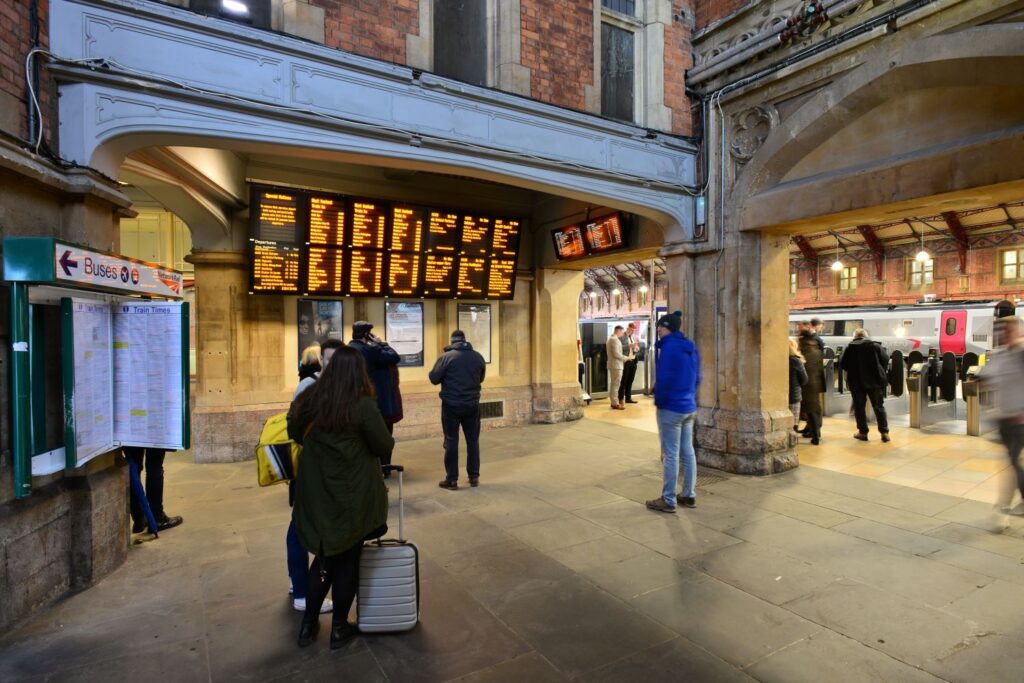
[240,345]
[739,321]
[556,389]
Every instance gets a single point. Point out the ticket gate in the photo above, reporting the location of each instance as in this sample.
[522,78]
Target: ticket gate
[924,412]
[979,404]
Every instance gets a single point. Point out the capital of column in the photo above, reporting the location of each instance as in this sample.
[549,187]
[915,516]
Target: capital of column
[204,257]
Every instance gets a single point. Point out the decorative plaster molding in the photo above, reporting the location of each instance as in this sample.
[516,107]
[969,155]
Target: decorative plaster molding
[750,129]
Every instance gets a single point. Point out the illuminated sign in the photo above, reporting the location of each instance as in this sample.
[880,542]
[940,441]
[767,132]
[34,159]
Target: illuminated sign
[305,242]
[594,236]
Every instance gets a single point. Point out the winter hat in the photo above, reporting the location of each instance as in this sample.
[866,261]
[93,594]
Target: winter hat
[360,329]
[671,321]
[458,336]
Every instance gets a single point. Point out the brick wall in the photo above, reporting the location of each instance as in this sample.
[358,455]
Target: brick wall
[678,58]
[981,281]
[370,28]
[558,48]
[710,11]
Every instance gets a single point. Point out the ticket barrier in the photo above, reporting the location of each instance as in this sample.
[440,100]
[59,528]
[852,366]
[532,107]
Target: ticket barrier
[979,404]
[834,401]
[923,412]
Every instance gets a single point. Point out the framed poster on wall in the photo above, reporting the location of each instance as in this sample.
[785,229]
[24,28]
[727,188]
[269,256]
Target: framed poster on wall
[403,331]
[475,322]
[319,320]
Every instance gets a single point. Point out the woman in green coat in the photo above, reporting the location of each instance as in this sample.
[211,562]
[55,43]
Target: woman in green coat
[340,498]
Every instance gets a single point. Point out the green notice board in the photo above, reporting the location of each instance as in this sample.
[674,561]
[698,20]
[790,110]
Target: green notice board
[126,376]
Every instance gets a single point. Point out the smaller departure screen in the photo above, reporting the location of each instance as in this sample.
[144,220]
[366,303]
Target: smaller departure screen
[476,235]
[472,282]
[569,242]
[501,280]
[442,232]
[275,268]
[277,217]
[439,275]
[604,234]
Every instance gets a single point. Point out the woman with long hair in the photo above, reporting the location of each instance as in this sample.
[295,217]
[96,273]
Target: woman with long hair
[340,499]
[810,404]
[797,379]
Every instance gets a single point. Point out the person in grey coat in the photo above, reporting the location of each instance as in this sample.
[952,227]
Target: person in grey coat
[616,364]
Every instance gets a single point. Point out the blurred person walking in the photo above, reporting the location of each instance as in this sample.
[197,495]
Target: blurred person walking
[1004,374]
[810,402]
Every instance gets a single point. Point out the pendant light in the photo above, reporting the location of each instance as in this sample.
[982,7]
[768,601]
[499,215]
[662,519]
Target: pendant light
[922,255]
[837,265]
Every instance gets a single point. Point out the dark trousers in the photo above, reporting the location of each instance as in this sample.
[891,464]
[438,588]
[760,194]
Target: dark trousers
[1012,435]
[338,574]
[813,423]
[468,417]
[152,460]
[298,562]
[386,459]
[860,398]
[626,386]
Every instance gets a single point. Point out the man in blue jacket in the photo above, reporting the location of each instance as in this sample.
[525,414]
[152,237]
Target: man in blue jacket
[675,396]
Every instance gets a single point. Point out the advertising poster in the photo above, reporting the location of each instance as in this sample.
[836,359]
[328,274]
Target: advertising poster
[403,331]
[319,321]
[475,321]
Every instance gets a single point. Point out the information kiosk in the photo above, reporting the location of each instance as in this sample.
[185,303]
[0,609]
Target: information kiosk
[99,356]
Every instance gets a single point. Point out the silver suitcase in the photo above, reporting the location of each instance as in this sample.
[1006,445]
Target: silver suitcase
[389,579]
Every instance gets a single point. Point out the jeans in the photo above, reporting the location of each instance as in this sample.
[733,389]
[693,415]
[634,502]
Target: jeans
[1012,435]
[340,575]
[614,382]
[153,458]
[468,417]
[795,409]
[298,562]
[626,385]
[676,430]
[860,397]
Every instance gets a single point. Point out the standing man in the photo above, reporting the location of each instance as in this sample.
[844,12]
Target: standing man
[460,372]
[1004,373]
[630,347]
[381,361]
[675,395]
[616,364]
[865,365]
[815,326]
[152,460]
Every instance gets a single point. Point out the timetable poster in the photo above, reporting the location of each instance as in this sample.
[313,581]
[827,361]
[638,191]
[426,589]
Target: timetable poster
[475,322]
[318,321]
[403,330]
[149,401]
[88,381]
[316,243]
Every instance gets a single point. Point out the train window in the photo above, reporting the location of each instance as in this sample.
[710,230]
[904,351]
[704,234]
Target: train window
[951,326]
[828,327]
[908,323]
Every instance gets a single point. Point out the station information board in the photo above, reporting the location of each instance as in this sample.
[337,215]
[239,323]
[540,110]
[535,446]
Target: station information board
[305,242]
[593,236]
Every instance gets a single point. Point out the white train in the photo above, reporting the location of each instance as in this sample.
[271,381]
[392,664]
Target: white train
[957,327]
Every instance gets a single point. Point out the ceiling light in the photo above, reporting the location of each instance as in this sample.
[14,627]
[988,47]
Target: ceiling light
[592,295]
[837,265]
[616,292]
[235,7]
[643,289]
[922,256]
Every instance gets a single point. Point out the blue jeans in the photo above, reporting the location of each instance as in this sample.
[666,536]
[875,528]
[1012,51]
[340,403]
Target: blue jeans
[298,563]
[676,429]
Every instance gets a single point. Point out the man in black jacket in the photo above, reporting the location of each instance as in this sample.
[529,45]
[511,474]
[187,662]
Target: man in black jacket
[865,365]
[460,372]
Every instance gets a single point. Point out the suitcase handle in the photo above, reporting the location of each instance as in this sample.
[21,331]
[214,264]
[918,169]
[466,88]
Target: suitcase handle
[401,500]
[391,468]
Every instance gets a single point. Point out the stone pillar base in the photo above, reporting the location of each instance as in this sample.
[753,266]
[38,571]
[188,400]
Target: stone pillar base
[746,442]
[557,403]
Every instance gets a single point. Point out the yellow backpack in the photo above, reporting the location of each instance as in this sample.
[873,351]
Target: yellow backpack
[277,456]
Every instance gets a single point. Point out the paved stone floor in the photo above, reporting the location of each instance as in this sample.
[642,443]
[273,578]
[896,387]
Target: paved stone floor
[553,570]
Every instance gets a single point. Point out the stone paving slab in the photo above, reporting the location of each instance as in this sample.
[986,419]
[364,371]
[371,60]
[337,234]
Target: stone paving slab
[553,570]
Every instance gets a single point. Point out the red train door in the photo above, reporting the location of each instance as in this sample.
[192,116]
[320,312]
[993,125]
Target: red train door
[953,333]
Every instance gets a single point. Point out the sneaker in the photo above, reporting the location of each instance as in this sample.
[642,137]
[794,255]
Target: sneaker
[1017,510]
[659,505]
[450,485]
[885,438]
[300,606]
[686,502]
[860,437]
[474,481]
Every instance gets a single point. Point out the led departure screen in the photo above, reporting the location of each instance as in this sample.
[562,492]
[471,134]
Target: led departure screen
[569,242]
[594,236]
[305,242]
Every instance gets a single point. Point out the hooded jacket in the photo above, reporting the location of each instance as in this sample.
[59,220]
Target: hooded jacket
[865,365]
[460,371]
[677,374]
[380,358]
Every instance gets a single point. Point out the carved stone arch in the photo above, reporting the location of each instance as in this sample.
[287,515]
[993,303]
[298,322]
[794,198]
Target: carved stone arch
[979,57]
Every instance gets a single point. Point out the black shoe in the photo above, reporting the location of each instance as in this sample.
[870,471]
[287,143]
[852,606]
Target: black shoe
[860,437]
[139,527]
[885,438]
[450,485]
[164,523]
[815,442]
[307,633]
[686,502]
[341,634]
[474,481]
[629,400]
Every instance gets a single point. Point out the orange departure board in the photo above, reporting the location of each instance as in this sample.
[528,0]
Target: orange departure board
[442,232]
[506,238]
[368,222]
[472,278]
[406,229]
[326,274]
[501,280]
[438,275]
[404,274]
[366,273]
[321,243]
[604,234]
[275,268]
[326,220]
[277,216]
[476,235]
[569,242]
